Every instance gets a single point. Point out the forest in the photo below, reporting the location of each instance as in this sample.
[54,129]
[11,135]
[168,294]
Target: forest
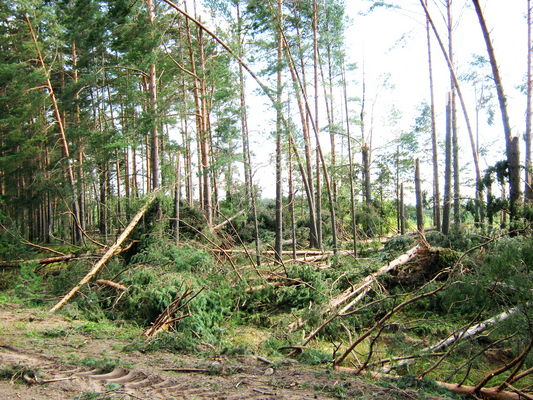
[224,199]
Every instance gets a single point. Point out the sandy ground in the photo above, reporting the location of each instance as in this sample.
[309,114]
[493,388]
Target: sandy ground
[51,368]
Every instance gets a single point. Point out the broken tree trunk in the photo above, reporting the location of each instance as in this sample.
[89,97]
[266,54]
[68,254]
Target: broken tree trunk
[464,334]
[364,286]
[108,254]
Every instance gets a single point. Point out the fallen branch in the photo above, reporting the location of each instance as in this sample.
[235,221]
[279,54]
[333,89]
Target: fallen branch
[108,254]
[385,318]
[360,290]
[518,360]
[472,358]
[168,317]
[111,284]
[65,257]
[188,370]
[228,220]
[37,381]
[272,252]
[27,243]
[214,244]
[464,334]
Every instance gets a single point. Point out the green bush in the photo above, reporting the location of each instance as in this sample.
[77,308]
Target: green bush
[176,258]
[500,279]
[149,293]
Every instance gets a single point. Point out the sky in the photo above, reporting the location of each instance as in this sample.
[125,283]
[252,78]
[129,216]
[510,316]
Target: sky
[391,44]
[394,41]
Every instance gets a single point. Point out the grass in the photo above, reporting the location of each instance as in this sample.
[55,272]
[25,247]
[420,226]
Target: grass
[104,365]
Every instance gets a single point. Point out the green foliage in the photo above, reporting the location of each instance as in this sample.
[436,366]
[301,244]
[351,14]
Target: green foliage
[457,239]
[284,298]
[397,246]
[149,293]
[499,280]
[172,257]
[28,283]
[104,365]
[10,247]
[174,342]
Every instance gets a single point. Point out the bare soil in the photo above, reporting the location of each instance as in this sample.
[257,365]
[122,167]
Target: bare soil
[51,367]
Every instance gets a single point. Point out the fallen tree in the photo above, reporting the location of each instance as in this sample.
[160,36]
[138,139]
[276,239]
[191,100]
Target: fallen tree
[364,285]
[108,254]
[360,290]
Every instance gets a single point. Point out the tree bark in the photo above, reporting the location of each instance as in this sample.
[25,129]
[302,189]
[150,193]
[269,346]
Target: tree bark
[528,190]
[418,193]
[250,194]
[154,137]
[447,171]
[279,134]
[449,62]
[359,291]
[177,198]
[434,146]
[465,334]
[315,78]
[453,113]
[402,211]
[512,149]
[78,235]
[351,176]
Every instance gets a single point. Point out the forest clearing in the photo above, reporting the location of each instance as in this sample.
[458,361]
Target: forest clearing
[219,200]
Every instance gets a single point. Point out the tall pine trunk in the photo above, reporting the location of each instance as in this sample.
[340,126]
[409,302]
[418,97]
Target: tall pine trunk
[351,175]
[250,194]
[279,133]
[447,171]
[434,145]
[418,193]
[453,112]
[511,143]
[154,136]
[528,189]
